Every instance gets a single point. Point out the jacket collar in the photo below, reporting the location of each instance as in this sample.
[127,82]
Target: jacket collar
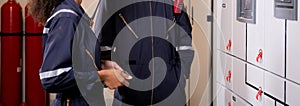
[69,4]
[77,9]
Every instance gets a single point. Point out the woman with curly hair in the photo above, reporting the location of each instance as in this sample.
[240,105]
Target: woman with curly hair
[63,21]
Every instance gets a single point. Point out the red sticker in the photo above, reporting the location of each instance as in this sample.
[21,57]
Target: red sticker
[178,6]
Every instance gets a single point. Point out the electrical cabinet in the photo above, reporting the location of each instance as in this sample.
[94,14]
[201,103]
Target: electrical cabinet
[264,52]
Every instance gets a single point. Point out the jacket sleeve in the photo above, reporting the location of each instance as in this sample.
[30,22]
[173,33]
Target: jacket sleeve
[56,72]
[86,63]
[184,42]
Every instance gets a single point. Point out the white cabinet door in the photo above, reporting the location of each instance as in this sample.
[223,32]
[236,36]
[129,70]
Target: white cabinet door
[237,101]
[223,96]
[279,104]
[238,34]
[224,69]
[238,72]
[255,35]
[270,83]
[224,26]
[268,101]
[228,72]
[255,76]
[239,39]
[218,30]
[221,66]
[274,85]
[292,94]
[293,51]
[273,53]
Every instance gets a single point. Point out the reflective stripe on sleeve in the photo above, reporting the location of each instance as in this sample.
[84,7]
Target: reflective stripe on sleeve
[54,73]
[46,30]
[181,48]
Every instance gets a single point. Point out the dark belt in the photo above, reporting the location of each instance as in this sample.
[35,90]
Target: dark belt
[67,97]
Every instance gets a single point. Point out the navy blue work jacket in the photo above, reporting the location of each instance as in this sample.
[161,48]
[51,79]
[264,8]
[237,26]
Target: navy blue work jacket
[67,69]
[152,44]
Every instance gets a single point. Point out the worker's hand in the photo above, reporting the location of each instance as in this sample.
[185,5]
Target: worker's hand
[107,64]
[113,78]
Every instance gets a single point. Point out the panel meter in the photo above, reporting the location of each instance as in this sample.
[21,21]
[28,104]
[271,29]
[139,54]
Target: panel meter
[286,9]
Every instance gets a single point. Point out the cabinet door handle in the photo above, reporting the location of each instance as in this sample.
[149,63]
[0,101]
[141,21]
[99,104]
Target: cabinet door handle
[259,56]
[259,93]
[228,77]
[228,46]
[229,103]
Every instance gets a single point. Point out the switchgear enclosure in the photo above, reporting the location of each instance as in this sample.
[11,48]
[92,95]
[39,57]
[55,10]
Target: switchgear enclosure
[246,11]
[286,9]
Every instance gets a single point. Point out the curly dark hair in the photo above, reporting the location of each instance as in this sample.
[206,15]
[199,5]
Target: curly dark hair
[41,9]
